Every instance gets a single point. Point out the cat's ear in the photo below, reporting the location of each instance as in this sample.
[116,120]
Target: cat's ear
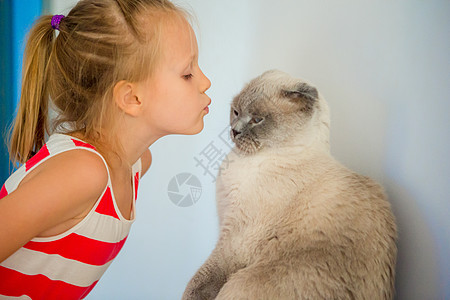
[303,94]
[303,90]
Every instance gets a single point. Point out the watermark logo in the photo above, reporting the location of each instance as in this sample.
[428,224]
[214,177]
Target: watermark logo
[184,189]
[213,158]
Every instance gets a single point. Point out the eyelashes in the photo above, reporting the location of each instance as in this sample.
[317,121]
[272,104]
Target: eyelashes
[187,77]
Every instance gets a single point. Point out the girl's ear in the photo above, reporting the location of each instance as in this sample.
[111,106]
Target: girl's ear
[124,94]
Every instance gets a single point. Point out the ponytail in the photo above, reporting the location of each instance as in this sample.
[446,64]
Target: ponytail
[99,44]
[31,124]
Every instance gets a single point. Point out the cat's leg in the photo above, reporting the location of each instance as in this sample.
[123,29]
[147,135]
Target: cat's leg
[210,278]
[284,281]
[260,282]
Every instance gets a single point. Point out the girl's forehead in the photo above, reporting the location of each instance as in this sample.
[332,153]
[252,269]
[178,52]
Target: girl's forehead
[179,37]
[180,28]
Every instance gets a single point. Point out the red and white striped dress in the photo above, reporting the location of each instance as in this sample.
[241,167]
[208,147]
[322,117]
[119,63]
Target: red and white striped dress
[69,265]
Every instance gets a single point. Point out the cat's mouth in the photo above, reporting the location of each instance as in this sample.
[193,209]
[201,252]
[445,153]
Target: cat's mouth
[246,145]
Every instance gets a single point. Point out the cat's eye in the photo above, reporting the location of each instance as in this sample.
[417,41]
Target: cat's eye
[235,112]
[256,120]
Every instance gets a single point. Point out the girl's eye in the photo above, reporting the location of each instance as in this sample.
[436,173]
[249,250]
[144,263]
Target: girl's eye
[189,76]
[256,120]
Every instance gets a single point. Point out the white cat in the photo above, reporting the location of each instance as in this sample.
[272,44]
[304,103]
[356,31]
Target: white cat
[294,222]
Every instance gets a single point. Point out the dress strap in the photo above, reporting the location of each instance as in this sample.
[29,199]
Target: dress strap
[56,144]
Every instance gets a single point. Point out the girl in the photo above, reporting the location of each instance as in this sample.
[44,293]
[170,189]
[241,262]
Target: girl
[120,75]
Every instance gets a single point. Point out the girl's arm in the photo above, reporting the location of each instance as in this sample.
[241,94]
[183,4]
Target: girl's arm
[146,161]
[63,188]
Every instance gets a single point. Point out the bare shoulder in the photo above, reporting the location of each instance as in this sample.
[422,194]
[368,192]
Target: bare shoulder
[81,160]
[71,168]
[78,176]
[83,163]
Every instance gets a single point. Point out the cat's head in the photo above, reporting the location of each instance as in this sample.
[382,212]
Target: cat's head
[276,110]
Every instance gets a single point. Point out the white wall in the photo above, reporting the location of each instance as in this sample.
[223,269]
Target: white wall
[384,68]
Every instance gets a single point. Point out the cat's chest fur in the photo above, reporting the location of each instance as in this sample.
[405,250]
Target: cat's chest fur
[255,192]
[249,185]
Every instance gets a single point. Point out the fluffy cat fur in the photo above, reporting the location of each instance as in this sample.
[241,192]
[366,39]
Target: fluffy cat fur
[294,222]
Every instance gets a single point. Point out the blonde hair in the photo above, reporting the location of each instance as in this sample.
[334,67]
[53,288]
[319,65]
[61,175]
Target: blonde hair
[100,43]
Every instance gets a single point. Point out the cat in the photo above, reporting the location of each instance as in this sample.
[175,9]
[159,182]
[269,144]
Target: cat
[294,222]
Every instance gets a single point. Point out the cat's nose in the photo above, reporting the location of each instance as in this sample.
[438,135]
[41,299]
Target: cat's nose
[234,132]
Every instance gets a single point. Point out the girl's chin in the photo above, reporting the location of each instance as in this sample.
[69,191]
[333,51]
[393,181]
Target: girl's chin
[194,129]
[198,130]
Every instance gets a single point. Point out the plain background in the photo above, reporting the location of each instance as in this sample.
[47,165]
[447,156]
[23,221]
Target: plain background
[383,66]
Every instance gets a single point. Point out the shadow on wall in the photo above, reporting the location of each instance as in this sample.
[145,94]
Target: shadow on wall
[416,260]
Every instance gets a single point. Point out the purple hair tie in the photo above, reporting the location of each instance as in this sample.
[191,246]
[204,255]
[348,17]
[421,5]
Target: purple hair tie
[56,19]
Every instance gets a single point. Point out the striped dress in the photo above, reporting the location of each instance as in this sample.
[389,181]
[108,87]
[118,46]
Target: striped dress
[69,265]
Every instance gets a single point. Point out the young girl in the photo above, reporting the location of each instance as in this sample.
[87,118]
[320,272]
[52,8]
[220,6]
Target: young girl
[120,75]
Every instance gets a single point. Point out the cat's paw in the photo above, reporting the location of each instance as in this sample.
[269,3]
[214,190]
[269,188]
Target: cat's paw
[195,294]
[205,291]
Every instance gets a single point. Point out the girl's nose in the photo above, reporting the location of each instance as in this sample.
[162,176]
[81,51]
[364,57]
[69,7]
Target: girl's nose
[205,84]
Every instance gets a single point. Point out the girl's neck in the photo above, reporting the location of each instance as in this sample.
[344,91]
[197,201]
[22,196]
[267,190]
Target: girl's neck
[115,162]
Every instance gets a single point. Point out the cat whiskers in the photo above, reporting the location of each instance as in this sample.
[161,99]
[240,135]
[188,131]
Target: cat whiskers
[248,146]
